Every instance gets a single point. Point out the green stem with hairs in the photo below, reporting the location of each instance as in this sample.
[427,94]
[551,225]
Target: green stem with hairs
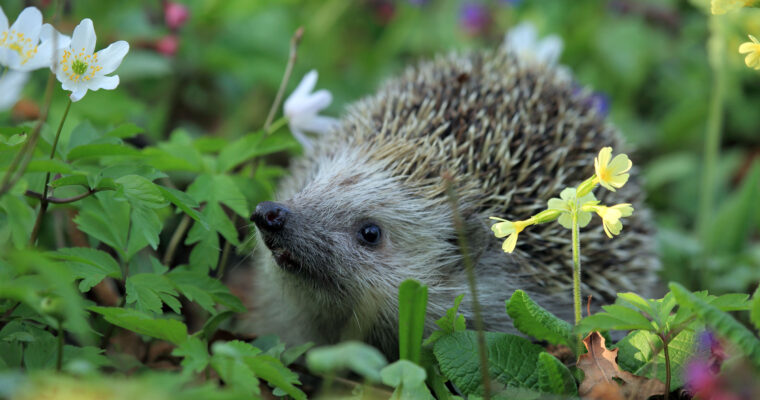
[576,267]
[44,201]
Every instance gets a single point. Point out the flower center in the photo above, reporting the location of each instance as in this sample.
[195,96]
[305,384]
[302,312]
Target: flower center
[79,67]
[19,43]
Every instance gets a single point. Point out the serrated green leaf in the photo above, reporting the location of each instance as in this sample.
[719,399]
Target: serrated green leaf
[139,190]
[205,253]
[148,291]
[48,165]
[16,220]
[451,322]
[638,302]
[533,320]
[554,377]
[105,219]
[194,353]
[412,302]
[100,150]
[641,353]
[271,370]
[219,189]
[211,324]
[250,146]
[91,265]
[358,357]
[144,229]
[721,322]
[512,360]
[408,379]
[206,291]
[228,361]
[291,354]
[165,329]
[730,302]
[184,202]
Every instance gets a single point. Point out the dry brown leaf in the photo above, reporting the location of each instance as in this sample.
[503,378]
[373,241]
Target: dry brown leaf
[600,368]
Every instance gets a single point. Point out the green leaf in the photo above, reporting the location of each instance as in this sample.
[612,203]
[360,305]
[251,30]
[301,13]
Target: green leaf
[184,202]
[228,361]
[721,322]
[252,145]
[408,379]
[149,291]
[100,150]
[219,189]
[512,360]
[205,253]
[89,264]
[141,191]
[165,329]
[451,322]
[16,220]
[105,219]
[206,291]
[412,301]
[48,165]
[211,324]
[144,228]
[358,357]
[533,320]
[194,353]
[738,212]
[271,370]
[71,180]
[290,355]
[638,302]
[754,314]
[125,131]
[616,316]
[554,377]
[641,353]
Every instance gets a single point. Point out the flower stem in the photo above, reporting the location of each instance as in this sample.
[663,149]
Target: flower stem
[576,268]
[59,360]
[294,41]
[179,233]
[715,50]
[44,201]
[667,367]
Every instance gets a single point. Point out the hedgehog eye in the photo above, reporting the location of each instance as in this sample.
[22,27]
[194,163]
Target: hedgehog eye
[369,234]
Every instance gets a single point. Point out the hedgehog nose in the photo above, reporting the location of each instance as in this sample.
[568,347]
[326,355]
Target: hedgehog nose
[270,216]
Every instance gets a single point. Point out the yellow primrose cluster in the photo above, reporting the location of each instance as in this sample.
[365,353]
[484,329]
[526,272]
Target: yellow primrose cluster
[751,48]
[578,203]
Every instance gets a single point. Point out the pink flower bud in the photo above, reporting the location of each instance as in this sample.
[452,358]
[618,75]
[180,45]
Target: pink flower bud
[168,45]
[175,14]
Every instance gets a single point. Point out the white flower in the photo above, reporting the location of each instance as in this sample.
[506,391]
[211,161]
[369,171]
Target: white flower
[523,41]
[28,44]
[302,108]
[11,84]
[80,70]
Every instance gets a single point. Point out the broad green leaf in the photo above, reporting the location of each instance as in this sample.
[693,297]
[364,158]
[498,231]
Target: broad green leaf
[16,220]
[105,219]
[148,291]
[165,329]
[205,253]
[100,150]
[139,190]
[554,377]
[206,291]
[730,302]
[615,316]
[512,360]
[89,264]
[721,322]
[48,165]
[194,353]
[358,357]
[221,189]
[125,131]
[535,321]
[638,302]
[641,353]
[412,301]
[144,229]
[408,379]
[71,180]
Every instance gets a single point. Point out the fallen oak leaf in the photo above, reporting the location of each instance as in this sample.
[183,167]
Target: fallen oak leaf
[600,368]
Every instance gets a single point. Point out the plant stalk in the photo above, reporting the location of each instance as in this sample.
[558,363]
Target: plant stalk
[44,201]
[576,268]
[179,233]
[59,360]
[667,367]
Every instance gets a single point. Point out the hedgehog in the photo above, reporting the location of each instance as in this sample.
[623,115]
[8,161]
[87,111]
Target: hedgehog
[367,207]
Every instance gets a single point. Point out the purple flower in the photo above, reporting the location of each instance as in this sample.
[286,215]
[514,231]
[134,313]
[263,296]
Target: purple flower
[474,18]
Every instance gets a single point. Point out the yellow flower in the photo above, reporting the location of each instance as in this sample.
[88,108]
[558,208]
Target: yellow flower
[567,203]
[753,48]
[718,7]
[611,217]
[613,174]
[511,230]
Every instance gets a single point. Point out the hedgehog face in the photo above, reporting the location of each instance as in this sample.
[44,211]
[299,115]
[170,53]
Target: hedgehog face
[350,226]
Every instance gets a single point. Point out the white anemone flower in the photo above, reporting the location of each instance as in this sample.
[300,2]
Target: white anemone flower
[302,109]
[523,41]
[28,44]
[11,84]
[79,69]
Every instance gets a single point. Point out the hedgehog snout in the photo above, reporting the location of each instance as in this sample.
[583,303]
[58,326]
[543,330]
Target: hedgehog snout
[270,216]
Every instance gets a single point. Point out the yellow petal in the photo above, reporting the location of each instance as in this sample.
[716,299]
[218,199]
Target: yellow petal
[502,229]
[753,59]
[606,185]
[604,156]
[620,164]
[625,209]
[509,245]
[618,181]
[747,47]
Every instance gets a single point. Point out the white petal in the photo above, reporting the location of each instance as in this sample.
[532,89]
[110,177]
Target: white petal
[301,137]
[522,37]
[77,94]
[549,49]
[110,57]
[48,33]
[11,85]
[320,124]
[309,105]
[83,39]
[3,21]
[300,93]
[104,82]
[29,23]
